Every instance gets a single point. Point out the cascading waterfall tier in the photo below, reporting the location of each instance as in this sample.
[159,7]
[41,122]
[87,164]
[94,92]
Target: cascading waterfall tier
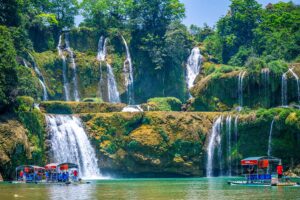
[40,77]
[128,74]
[270,138]
[236,135]
[228,137]
[240,88]
[69,143]
[214,141]
[112,89]
[72,59]
[64,69]
[284,100]
[265,73]
[193,67]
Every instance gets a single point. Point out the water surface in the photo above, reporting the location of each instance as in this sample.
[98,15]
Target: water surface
[156,189]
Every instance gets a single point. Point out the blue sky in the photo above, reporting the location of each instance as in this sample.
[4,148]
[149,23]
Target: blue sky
[206,11]
[209,11]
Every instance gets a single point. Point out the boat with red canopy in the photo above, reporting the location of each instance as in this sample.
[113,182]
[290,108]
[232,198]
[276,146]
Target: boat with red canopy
[29,173]
[261,171]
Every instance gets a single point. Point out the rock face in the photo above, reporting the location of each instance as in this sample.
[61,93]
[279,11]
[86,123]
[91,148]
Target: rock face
[14,146]
[152,143]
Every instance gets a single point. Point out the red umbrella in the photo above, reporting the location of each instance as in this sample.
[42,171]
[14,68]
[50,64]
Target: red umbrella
[51,166]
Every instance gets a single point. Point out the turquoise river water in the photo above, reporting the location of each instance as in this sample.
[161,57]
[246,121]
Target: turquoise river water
[144,189]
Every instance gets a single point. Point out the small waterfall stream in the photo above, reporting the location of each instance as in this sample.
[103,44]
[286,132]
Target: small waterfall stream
[72,59]
[228,136]
[101,55]
[240,88]
[64,69]
[284,100]
[265,73]
[193,67]
[112,89]
[270,138]
[236,135]
[214,141]
[69,143]
[41,78]
[128,74]
[297,81]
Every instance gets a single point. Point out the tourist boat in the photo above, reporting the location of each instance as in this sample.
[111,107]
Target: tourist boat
[29,174]
[261,171]
[53,173]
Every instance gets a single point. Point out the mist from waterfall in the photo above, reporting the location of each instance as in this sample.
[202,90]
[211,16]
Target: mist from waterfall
[72,59]
[112,89]
[128,74]
[270,138]
[193,67]
[69,143]
[214,142]
[64,69]
[40,77]
[228,137]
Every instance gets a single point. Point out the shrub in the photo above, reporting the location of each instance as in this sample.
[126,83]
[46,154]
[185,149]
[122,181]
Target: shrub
[165,104]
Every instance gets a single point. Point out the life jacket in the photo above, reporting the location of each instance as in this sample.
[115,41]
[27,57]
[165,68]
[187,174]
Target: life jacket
[279,169]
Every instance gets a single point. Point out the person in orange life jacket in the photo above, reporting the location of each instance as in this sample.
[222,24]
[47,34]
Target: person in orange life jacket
[279,170]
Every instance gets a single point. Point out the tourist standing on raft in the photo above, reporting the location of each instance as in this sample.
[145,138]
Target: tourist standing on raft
[279,171]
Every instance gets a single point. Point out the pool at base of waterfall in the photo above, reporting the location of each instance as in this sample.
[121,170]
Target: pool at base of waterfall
[172,188]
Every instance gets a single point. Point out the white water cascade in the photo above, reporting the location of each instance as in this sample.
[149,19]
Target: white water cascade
[297,81]
[64,69]
[240,88]
[74,79]
[228,137]
[193,67]
[236,135]
[112,89]
[70,143]
[270,138]
[265,73]
[41,78]
[214,141]
[128,74]
[284,100]
[101,55]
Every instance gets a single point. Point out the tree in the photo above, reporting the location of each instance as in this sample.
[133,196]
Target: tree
[201,33]
[8,64]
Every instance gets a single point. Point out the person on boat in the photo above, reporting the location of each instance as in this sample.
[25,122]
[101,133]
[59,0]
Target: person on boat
[67,176]
[21,174]
[279,171]
[75,173]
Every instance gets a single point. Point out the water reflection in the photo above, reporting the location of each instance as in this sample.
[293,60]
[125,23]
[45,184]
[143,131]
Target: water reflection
[68,192]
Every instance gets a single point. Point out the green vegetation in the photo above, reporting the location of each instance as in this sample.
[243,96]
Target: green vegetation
[164,104]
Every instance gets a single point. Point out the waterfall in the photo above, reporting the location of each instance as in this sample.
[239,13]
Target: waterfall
[41,78]
[236,134]
[64,69]
[228,136]
[284,89]
[25,63]
[214,141]
[240,88]
[297,81]
[113,93]
[69,143]
[75,81]
[266,80]
[193,67]
[101,56]
[128,74]
[270,138]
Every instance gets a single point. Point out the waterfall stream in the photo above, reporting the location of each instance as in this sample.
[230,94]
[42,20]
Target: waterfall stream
[240,88]
[128,74]
[41,78]
[284,100]
[112,89]
[69,143]
[266,81]
[64,69]
[228,136]
[236,135]
[270,138]
[193,67]
[72,59]
[297,81]
[214,141]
